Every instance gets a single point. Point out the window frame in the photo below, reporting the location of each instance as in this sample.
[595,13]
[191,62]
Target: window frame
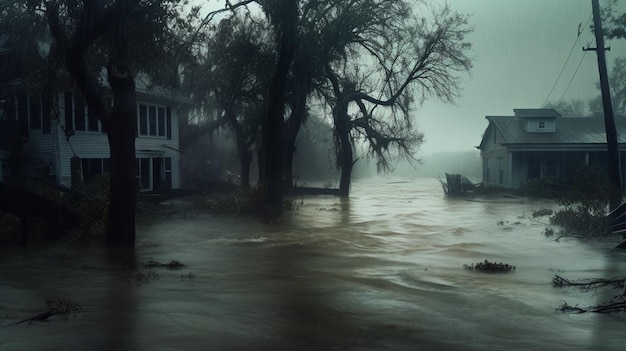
[154,121]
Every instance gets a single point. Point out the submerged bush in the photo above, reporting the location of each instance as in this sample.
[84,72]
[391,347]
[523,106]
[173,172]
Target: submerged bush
[490,267]
[584,205]
[89,206]
[545,188]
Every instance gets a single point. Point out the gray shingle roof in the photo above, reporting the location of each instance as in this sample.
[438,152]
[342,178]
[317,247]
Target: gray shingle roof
[536,112]
[569,130]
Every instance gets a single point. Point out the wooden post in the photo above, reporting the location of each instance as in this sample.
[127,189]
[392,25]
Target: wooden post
[614,163]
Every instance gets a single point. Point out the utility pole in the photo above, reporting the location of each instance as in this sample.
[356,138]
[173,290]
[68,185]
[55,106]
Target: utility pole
[614,164]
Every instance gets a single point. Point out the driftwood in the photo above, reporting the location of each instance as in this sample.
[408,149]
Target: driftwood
[616,304]
[56,306]
[608,307]
[172,265]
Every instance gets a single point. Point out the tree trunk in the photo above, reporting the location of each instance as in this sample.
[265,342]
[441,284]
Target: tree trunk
[245,160]
[244,153]
[345,147]
[290,148]
[273,134]
[121,230]
[298,110]
[347,163]
[122,133]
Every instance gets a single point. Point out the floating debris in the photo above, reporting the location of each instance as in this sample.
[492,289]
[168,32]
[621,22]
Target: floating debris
[172,265]
[142,278]
[56,306]
[490,267]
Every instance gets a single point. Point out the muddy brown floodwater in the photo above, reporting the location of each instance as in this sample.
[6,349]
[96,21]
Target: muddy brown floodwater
[380,271]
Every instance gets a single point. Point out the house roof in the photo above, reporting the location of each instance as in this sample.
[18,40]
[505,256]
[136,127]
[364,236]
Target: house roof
[536,112]
[570,130]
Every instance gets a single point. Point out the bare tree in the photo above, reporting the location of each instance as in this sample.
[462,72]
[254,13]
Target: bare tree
[397,60]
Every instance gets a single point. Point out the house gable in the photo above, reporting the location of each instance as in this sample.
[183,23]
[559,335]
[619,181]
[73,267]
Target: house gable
[538,120]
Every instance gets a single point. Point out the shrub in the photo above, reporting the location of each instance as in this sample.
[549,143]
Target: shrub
[584,205]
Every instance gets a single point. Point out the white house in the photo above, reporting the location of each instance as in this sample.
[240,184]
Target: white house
[69,141]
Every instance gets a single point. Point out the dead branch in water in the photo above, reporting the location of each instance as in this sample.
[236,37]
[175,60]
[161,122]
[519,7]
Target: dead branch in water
[588,284]
[616,304]
[56,306]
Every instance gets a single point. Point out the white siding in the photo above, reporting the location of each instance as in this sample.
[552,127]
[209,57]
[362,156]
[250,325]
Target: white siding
[56,150]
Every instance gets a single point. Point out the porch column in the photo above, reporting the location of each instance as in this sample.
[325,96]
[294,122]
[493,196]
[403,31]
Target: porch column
[509,162]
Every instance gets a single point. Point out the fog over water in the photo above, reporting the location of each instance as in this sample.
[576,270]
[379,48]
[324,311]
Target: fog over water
[382,270]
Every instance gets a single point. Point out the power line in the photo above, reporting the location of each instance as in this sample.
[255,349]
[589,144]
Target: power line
[571,80]
[567,59]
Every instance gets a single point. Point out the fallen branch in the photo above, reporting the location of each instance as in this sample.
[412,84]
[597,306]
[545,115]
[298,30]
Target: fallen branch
[56,306]
[587,284]
[616,304]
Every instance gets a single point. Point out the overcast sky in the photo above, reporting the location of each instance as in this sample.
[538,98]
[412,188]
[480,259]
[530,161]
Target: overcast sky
[519,48]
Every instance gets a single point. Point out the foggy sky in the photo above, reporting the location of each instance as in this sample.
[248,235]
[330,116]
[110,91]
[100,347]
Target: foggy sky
[519,47]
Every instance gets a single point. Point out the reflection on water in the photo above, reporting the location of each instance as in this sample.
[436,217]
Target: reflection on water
[380,271]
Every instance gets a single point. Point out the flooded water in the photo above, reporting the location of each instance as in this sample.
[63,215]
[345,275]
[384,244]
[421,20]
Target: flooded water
[380,271]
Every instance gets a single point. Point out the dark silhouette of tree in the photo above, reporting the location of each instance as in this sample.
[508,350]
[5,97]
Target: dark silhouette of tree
[233,75]
[372,60]
[617,85]
[283,15]
[100,31]
[396,60]
[119,120]
[615,21]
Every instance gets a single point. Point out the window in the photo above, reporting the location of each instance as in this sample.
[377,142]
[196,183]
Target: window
[551,166]
[154,121]
[161,121]
[143,120]
[92,167]
[77,117]
[541,125]
[534,168]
